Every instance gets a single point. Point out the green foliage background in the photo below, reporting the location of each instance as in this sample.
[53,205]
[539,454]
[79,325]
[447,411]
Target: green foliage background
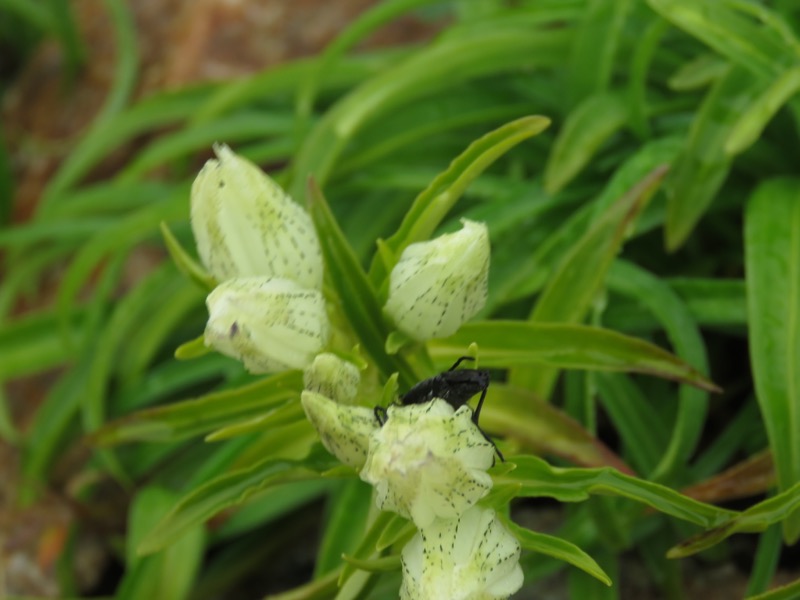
[661,208]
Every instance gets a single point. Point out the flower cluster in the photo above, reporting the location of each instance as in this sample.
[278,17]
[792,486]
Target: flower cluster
[428,462]
[268,310]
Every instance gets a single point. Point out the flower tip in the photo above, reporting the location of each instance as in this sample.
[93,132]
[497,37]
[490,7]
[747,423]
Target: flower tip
[344,430]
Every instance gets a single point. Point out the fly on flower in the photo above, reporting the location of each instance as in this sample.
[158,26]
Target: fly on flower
[455,387]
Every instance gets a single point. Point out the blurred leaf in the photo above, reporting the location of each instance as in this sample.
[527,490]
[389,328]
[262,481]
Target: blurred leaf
[754,119]
[751,477]
[766,561]
[597,38]
[32,344]
[557,548]
[169,574]
[579,277]
[123,235]
[290,411]
[228,490]
[565,346]
[772,245]
[442,65]
[240,127]
[349,510]
[361,27]
[703,166]
[585,130]
[698,73]
[728,26]
[639,425]
[682,331]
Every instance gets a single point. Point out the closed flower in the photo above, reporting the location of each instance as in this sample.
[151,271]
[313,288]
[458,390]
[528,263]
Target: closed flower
[270,324]
[245,225]
[438,285]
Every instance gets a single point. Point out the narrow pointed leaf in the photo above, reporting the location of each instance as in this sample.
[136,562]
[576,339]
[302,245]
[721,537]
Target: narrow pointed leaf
[579,278]
[703,166]
[559,548]
[753,520]
[772,245]
[435,201]
[587,127]
[519,343]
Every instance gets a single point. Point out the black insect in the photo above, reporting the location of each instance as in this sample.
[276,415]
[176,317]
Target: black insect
[456,387]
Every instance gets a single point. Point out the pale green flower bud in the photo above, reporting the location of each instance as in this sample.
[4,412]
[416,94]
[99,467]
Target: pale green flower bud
[428,461]
[438,285]
[472,557]
[268,323]
[245,225]
[344,430]
[332,377]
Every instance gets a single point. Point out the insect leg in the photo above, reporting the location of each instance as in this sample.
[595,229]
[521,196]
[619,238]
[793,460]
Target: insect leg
[477,412]
[380,415]
[459,361]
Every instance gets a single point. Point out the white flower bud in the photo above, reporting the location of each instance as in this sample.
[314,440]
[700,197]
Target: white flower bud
[268,323]
[344,430]
[245,225]
[438,285]
[332,377]
[428,461]
[472,557]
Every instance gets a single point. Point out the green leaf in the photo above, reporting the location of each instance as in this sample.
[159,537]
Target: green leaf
[519,343]
[587,127]
[558,548]
[357,297]
[703,166]
[170,574]
[185,263]
[290,411]
[581,274]
[785,592]
[597,39]
[659,298]
[698,73]
[363,25]
[436,200]
[754,119]
[32,344]
[213,411]
[540,479]
[447,63]
[729,27]
[539,427]
[228,490]
[777,509]
[772,252]
[193,349]
[349,509]
[374,565]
